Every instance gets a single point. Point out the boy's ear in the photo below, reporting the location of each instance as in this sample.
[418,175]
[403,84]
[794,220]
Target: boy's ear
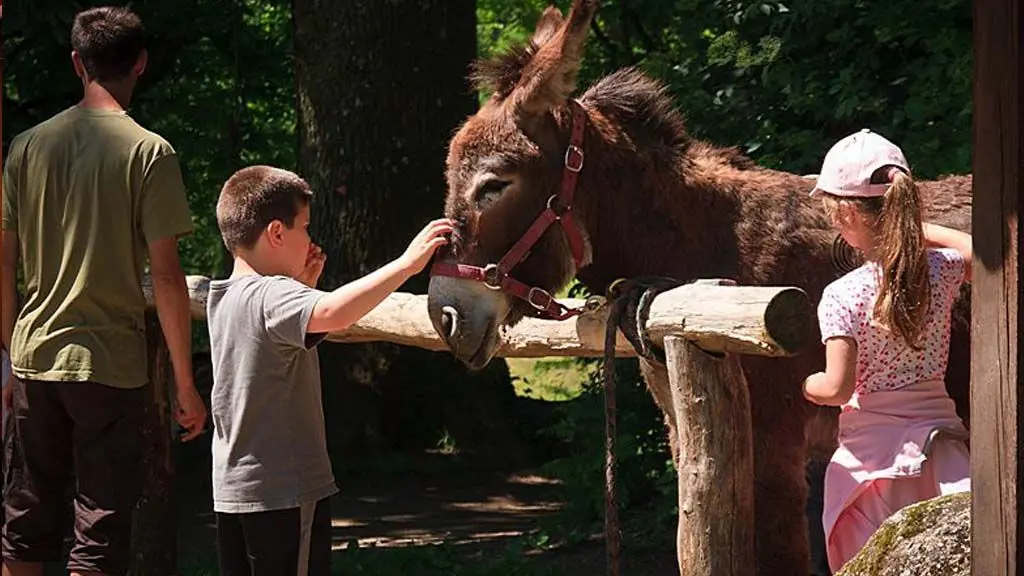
[275,233]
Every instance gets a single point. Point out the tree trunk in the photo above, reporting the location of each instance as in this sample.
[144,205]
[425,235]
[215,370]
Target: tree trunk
[381,86]
[154,531]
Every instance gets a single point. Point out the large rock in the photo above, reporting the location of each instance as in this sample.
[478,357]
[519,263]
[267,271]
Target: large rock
[930,538]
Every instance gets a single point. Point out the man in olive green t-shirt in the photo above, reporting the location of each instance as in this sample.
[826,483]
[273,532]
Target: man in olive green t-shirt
[87,195]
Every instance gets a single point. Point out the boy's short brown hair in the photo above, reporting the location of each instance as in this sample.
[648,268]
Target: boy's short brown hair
[109,40]
[253,198]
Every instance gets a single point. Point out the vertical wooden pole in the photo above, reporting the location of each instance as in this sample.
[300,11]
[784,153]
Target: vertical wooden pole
[154,537]
[716,467]
[997,370]
[3,432]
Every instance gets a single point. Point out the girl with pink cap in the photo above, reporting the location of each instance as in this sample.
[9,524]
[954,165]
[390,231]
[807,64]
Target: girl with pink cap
[886,326]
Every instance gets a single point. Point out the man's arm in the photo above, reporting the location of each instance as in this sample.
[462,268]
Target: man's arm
[170,293]
[9,287]
[172,306]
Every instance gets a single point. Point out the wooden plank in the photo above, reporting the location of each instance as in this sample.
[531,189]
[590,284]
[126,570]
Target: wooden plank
[757,320]
[716,464]
[997,372]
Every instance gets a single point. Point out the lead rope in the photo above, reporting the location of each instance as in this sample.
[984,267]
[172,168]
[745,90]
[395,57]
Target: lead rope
[612,534]
[634,296]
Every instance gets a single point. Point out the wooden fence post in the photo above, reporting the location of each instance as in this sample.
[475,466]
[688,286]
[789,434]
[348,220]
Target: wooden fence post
[154,536]
[716,468]
[997,314]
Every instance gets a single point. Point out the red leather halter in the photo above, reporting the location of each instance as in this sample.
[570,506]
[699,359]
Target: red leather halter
[559,209]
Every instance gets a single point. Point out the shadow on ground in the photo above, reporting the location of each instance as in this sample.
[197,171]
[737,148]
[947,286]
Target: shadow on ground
[436,517]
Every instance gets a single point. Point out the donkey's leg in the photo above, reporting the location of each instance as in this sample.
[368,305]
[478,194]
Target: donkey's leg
[821,433]
[657,381]
[778,411]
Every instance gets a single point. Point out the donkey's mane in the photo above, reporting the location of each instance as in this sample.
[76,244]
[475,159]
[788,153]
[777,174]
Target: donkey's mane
[645,111]
[639,104]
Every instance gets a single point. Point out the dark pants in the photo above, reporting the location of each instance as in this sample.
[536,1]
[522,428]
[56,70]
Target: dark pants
[80,439]
[273,543]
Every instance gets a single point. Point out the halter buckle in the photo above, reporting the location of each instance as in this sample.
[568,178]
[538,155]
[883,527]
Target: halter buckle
[546,298]
[573,158]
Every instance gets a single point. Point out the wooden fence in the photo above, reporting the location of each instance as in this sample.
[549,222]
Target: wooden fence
[709,393]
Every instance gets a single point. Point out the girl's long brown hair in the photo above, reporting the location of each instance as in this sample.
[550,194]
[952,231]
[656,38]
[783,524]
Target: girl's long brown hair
[905,290]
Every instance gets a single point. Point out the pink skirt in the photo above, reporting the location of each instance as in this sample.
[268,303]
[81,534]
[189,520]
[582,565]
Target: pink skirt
[896,448]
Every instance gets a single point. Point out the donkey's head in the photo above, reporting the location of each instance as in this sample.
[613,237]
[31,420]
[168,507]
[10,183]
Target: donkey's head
[504,165]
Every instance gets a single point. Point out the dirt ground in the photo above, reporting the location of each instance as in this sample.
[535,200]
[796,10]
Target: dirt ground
[479,513]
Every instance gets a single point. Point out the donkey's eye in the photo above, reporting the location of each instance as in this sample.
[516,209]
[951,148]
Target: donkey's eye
[489,191]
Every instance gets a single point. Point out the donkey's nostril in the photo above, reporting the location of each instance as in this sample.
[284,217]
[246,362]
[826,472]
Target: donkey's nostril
[450,322]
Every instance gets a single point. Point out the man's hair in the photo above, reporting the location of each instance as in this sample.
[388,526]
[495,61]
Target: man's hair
[253,198]
[109,40]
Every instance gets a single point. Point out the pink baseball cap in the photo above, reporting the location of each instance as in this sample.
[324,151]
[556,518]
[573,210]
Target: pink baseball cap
[851,162]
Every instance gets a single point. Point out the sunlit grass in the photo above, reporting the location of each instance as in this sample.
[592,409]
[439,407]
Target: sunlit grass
[551,379]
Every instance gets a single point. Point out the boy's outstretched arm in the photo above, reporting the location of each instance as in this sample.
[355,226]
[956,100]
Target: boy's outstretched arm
[944,237]
[341,308]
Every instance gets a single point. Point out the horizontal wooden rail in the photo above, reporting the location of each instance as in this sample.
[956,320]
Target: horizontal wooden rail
[714,315]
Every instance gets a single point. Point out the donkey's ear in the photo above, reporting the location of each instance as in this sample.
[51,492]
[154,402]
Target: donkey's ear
[550,76]
[547,26]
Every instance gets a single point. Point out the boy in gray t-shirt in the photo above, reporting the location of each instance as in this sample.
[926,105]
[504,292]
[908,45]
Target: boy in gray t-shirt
[271,474]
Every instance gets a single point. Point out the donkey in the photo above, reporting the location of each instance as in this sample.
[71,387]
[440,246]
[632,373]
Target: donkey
[634,195]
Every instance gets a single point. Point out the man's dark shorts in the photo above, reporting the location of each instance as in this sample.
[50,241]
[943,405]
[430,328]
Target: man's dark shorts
[80,440]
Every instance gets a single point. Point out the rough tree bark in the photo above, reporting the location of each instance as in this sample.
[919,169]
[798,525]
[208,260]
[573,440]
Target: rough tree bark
[381,86]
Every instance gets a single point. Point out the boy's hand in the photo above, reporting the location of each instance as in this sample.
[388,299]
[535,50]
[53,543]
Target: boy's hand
[315,261]
[423,246]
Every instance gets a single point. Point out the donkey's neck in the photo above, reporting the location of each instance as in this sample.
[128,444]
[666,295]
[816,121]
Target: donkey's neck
[642,220]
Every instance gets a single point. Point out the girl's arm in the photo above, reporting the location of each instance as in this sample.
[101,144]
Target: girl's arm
[834,386]
[943,237]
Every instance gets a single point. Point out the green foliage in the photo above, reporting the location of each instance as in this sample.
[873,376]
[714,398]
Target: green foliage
[551,379]
[218,87]
[785,80]
[500,23]
[644,472]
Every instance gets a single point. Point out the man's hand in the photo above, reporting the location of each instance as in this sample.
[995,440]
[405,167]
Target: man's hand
[422,248]
[314,266]
[191,412]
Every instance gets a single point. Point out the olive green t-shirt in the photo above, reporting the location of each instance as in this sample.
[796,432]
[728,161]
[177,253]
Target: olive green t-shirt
[85,191]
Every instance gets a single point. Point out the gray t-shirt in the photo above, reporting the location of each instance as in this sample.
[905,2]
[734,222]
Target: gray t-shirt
[269,442]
